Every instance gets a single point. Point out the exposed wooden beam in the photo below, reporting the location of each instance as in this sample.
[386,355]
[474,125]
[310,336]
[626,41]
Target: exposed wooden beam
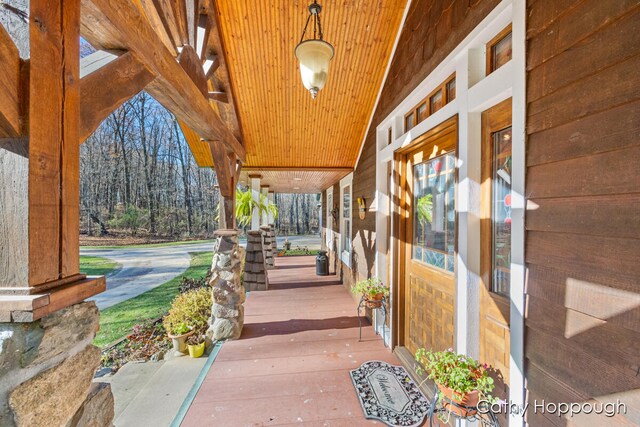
[219,96]
[118,24]
[210,65]
[224,173]
[108,87]
[193,14]
[220,78]
[167,15]
[202,35]
[10,123]
[153,16]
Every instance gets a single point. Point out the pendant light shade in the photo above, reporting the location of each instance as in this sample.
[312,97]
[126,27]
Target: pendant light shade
[314,54]
[314,57]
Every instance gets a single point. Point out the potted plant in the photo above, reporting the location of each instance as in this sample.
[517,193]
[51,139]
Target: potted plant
[178,337]
[372,290]
[287,244]
[462,381]
[189,314]
[195,344]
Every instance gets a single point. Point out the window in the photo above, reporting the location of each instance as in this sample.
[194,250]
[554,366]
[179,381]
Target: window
[442,95]
[499,50]
[434,212]
[409,121]
[501,211]
[346,219]
[451,90]
[436,101]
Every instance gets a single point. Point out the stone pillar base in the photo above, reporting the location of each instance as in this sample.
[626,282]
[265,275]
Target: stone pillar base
[227,313]
[274,242]
[47,367]
[255,269]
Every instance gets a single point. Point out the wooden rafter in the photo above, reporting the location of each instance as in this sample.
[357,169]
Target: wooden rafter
[10,122]
[118,24]
[156,22]
[106,88]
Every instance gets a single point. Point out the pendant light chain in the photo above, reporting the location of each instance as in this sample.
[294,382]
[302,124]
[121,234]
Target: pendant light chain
[314,12]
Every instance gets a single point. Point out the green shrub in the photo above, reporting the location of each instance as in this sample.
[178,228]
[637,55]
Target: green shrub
[191,308]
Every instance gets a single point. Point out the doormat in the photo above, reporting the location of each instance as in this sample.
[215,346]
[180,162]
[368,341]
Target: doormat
[387,393]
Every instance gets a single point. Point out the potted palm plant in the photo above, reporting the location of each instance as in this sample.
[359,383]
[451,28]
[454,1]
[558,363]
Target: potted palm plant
[462,381]
[179,334]
[372,290]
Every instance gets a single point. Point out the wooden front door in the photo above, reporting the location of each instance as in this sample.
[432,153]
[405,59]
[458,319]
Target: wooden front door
[428,281]
[495,231]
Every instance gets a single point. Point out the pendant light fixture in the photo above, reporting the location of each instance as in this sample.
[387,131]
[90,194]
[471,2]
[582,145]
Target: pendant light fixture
[314,54]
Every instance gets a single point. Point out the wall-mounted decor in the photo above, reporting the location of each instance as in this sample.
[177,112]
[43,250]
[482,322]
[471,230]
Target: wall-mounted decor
[335,212]
[362,207]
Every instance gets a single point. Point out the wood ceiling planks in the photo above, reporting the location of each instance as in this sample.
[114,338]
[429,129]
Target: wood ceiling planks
[296,181]
[282,125]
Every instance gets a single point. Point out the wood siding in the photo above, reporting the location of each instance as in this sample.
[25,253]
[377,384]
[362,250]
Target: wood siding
[433,28]
[582,337]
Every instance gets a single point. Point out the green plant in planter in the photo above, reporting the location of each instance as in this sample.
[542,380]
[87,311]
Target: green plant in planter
[458,372]
[372,290]
[191,309]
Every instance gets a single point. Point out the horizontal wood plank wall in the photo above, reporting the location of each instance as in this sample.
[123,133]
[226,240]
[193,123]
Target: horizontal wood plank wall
[582,338]
[433,28]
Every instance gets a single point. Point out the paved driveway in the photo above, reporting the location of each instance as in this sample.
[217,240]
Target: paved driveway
[145,268]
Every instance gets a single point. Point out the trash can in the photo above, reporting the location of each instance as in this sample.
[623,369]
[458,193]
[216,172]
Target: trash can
[322,264]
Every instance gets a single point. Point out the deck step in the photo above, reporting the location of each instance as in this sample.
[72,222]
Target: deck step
[151,393]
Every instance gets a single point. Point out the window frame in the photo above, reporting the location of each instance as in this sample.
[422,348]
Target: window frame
[345,253]
[492,43]
[426,101]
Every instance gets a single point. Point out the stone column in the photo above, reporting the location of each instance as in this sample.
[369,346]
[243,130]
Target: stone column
[227,315]
[255,269]
[47,367]
[274,243]
[264,218]
[267,246]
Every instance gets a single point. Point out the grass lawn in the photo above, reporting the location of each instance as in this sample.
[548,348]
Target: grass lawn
[97,266]
[150,245]
[296,252]
[116,321]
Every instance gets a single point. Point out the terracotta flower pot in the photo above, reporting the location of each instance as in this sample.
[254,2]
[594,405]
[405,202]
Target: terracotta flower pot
[469,399]
[196,350]
[179,341]
[373,302]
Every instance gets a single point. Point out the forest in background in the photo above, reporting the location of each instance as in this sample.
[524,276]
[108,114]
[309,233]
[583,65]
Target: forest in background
[139,178]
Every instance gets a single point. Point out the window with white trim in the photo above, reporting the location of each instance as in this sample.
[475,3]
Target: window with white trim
[346,223]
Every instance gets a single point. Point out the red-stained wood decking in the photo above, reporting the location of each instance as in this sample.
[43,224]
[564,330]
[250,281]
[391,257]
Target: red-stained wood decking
[291,365]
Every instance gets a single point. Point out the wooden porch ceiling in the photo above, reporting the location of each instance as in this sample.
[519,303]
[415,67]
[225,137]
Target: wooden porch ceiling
[284,129]
[285,180]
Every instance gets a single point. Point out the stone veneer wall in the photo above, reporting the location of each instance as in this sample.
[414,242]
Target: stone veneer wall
[255,269]
[274,242]
[267,245]
[46,369]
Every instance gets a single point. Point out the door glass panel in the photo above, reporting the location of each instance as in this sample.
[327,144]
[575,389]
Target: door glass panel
[434,212]
[501,211]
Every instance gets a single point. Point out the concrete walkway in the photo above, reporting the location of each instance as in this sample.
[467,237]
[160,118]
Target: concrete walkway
[146,268]
[291,365]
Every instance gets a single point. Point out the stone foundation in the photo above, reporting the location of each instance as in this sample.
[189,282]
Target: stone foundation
[255,268]
[227,317]
[46,368]
[267,245]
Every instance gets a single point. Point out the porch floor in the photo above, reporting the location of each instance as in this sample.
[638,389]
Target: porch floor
[291,365]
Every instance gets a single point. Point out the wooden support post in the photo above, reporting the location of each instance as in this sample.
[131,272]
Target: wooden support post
[227,168]
[40,258]
[255,192]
